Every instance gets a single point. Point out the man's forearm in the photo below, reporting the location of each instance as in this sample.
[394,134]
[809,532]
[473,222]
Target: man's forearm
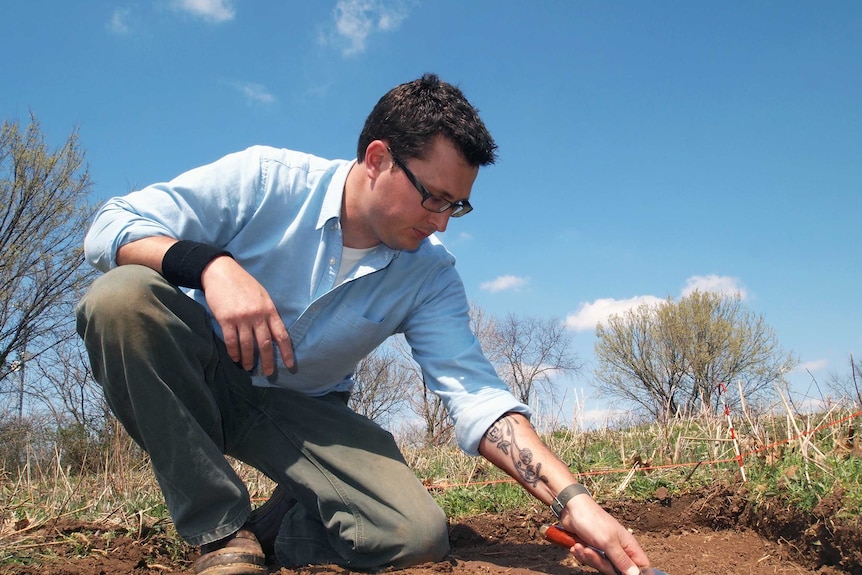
[147,252]
[513,445]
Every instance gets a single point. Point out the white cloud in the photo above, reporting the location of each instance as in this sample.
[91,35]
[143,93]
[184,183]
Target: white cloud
[504,283]
[255,93]
[210,10]
[356,20]
[814,365]
[591,314]
[119,23]
[724,285]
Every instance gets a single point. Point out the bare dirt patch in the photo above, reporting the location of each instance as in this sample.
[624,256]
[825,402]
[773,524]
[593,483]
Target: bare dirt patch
[711,532]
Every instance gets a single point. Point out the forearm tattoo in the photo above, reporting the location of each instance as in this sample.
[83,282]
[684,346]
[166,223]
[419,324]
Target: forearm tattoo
[502,434]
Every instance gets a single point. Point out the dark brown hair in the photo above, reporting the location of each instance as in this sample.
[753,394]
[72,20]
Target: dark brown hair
[410,116]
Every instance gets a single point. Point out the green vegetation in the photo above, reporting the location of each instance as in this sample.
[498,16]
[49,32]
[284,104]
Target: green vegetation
[636,462]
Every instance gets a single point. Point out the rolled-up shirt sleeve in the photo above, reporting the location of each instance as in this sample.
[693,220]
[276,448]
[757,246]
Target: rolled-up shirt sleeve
[207,204]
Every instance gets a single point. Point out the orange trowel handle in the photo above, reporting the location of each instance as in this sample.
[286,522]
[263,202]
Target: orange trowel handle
[557,536]
[561,537]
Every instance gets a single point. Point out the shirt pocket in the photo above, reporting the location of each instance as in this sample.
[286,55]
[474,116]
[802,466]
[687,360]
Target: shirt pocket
[350,336]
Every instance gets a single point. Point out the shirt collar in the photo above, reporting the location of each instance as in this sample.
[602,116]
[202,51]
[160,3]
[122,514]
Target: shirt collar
[331,207]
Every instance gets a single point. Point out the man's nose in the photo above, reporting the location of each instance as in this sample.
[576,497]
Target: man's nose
[441,220]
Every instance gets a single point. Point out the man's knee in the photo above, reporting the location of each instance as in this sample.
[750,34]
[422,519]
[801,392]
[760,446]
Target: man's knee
[422,540]
[118,292]
[133,299]
[417,538]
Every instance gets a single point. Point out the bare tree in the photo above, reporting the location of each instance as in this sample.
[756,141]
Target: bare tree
[436,426]
[44,211]
[68,390]
[484,327]
[850,385]
[528,352]
[672,358]
[382,385]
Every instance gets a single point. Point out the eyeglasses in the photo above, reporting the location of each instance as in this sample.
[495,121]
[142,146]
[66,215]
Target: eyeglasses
[431,202]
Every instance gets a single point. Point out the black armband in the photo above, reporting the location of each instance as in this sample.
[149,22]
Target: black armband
[184,262]
[563,497]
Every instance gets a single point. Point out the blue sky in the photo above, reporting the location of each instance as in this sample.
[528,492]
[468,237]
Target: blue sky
[646,148]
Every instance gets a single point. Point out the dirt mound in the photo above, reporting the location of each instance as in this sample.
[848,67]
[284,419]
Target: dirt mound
[816,542]
[711,532]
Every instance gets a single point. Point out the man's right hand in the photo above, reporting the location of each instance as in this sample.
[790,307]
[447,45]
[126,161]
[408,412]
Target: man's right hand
[246,314]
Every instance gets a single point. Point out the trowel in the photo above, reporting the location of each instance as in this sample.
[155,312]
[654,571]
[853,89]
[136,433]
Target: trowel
[559,536]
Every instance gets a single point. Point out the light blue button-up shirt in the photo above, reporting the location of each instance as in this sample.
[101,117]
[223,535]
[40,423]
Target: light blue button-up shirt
[278,213]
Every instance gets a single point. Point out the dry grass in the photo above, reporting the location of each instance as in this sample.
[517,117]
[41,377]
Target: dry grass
[123,497]
[803,457]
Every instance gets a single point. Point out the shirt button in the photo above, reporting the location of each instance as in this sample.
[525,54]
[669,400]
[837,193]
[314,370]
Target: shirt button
[332,261]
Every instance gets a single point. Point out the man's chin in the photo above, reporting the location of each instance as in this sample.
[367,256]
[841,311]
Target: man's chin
[403,245]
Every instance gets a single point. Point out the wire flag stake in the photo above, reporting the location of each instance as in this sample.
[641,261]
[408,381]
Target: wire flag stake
[722,391]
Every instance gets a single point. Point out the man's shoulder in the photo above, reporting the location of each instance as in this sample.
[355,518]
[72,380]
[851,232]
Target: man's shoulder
[291,158]
[433,249]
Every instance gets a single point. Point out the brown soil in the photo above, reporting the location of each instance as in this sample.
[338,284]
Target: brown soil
[712,532]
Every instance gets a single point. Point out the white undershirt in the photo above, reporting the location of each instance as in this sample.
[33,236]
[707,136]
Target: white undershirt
[349,258]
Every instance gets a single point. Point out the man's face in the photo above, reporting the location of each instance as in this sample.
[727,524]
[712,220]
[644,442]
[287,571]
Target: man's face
[397,217]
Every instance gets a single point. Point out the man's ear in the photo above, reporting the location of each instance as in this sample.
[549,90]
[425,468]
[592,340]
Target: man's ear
[377,159]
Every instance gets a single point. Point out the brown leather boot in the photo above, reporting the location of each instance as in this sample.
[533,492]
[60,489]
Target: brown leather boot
[237,554]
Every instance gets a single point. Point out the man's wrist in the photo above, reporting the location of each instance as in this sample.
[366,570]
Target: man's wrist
[558,504]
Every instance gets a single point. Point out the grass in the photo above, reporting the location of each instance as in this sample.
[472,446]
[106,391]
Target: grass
[635,462]
[799,458]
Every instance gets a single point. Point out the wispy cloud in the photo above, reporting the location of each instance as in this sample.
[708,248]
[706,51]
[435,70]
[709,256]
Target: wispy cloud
[119,22]
[356,20]
[590,314]
[814,365]
[504,283]
[215,11]
[254,93]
